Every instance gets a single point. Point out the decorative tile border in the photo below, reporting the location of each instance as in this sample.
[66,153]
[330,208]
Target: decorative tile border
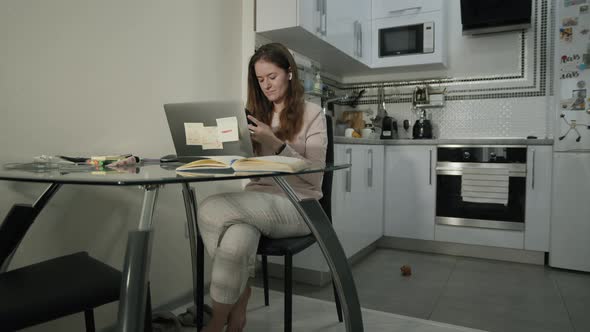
[540,69]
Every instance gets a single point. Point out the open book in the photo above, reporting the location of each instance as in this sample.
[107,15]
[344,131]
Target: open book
[243,164]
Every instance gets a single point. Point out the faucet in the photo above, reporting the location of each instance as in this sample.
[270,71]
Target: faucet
[325,102]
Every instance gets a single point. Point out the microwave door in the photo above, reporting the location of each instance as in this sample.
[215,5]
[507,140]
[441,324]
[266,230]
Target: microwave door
[401,40]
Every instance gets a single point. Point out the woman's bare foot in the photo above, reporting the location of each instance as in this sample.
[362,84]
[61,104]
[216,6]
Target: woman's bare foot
[237,316]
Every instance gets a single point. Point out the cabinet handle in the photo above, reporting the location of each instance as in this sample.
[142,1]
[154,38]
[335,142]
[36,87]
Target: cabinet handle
[370,170]
[533,169]
[325,18]
[417,8]
[357,37]
[320,10]
[349,170]
[430,167]
[360,40]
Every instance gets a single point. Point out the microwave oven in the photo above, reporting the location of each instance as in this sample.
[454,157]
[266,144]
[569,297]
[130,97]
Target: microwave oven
[411,39]
[408,40]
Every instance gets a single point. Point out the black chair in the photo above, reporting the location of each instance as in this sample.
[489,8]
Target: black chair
[55,288]
[288,247]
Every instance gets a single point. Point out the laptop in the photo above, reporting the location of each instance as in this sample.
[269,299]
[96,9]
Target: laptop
[207,113]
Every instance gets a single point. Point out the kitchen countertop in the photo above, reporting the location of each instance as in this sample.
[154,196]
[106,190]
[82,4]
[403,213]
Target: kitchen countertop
[443,141]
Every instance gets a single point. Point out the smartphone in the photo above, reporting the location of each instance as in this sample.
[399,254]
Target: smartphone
[249,121]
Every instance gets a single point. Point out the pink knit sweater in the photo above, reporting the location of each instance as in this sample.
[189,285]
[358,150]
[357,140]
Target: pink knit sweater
[309,144]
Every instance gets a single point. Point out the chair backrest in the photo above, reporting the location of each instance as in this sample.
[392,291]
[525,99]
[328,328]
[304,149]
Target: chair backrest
[326,200]
[13,229]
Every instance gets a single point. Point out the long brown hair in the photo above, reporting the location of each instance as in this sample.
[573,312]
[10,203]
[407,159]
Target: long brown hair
[291,119]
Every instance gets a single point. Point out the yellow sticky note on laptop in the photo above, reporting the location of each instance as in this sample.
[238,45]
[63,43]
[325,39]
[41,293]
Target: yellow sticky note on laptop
[210,137]
[193,131]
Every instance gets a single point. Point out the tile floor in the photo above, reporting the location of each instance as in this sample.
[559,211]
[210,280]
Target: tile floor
[313,315]
[476,293]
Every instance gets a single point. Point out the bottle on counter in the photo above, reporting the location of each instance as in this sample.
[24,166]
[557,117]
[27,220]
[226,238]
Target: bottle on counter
[317,83]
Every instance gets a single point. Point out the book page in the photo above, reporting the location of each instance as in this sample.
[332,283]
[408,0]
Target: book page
[212,162]
[228,160]
[271,163]
[278,159]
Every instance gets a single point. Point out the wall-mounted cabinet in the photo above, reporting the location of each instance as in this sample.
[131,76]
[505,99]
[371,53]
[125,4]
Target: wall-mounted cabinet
[350,35]
[388,8]
[334,32]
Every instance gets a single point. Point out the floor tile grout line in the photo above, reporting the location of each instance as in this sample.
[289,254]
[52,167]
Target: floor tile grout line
[443,289]
[569,316]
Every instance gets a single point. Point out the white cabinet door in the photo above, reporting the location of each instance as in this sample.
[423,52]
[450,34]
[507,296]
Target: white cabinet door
[357,196]
[347,209]
[538,198]
[387,8]
[362,34]
[281,14]
[309,16]
[409,202]
[275,14]
[341,20]
[373,200]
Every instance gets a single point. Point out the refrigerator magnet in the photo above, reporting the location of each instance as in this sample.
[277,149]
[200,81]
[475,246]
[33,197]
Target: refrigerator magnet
[565,34]
[579,97]
[568,3]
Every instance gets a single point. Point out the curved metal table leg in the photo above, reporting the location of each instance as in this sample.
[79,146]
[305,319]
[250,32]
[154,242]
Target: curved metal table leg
[197,253]
[319,224]
[131,316]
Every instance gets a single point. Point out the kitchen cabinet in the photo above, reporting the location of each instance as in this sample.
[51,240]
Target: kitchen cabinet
[388,8]
[281,14]
[357,204]
[337,33]
[538,198]
[348,27]
[357,196]
[410,191]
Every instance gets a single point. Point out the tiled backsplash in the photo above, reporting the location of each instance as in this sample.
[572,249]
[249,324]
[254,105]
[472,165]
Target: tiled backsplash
[510,117]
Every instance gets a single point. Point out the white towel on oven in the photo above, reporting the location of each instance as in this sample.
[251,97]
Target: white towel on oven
[485,185]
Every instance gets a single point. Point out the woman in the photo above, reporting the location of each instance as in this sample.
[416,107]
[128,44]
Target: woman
[231,223]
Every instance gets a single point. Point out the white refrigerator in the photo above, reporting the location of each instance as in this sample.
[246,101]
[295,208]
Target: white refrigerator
[570,204]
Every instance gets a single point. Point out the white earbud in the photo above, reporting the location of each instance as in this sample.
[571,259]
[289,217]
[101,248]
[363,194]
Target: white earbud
[290,76]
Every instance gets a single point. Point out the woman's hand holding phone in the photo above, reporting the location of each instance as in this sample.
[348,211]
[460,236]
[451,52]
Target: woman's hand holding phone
[262,133]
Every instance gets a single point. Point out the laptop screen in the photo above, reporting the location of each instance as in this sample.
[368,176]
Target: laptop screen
[210,128]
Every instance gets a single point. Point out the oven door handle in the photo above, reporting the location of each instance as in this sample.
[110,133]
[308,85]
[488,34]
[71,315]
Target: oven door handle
[430,168]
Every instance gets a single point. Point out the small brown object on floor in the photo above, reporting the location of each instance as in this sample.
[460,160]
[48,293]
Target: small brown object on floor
[406,270]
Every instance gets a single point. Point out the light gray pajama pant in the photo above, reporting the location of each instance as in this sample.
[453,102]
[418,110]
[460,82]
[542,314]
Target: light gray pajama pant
[231,224]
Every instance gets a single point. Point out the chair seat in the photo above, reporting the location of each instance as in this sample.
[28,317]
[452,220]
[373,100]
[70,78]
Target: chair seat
[281,247]
[55,288]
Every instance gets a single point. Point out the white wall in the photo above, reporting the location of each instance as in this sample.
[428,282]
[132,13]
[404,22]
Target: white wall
[90,77]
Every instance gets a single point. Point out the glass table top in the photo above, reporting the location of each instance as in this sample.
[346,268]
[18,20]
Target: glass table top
[140,174]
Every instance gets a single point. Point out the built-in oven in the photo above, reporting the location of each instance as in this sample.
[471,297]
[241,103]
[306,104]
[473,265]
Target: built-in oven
[481,186]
